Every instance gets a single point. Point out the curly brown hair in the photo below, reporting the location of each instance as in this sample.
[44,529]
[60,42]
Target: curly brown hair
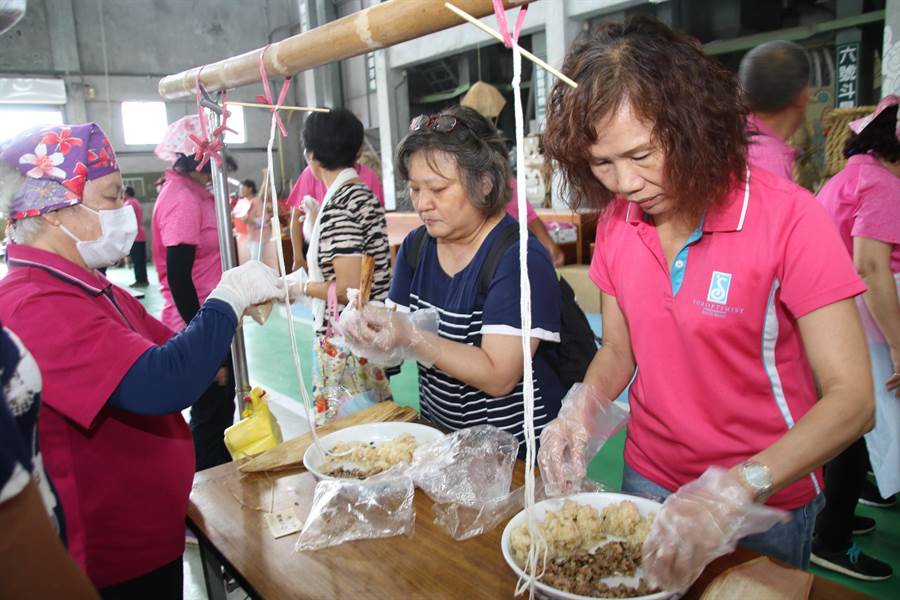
[692,102]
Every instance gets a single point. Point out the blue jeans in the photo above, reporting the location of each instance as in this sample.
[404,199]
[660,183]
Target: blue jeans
[790,542]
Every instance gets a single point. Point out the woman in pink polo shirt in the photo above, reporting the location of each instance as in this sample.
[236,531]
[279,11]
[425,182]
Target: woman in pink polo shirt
[189,266]
[864,201]
[115,379]
[725,287]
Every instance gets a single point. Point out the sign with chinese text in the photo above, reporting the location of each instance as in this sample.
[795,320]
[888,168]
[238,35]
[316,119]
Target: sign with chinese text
[846,92]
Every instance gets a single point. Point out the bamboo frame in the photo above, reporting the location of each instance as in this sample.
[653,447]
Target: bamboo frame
[278,106]
[376,27]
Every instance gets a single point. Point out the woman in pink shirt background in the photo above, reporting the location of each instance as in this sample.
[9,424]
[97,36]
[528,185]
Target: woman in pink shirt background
[863,199]
[775,85]
[186,255]
[724,287]
[138,253]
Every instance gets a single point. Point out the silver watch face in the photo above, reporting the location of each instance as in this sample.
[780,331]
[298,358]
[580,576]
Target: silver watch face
[757,476]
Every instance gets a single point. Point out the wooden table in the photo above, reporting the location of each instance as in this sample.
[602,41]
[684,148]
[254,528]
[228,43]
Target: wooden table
[430,564]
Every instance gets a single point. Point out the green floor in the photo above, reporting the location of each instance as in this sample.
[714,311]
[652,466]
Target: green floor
[269,363]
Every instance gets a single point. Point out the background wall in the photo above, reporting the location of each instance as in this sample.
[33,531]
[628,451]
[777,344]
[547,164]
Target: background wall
[144,41]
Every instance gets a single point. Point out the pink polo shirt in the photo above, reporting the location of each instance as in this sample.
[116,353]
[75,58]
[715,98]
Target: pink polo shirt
[308,185]
[139,213]
[185,213]
[863,199]
[768,151]
[123,479]
[722,373]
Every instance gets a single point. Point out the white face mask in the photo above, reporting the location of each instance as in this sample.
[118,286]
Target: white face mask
[118,228]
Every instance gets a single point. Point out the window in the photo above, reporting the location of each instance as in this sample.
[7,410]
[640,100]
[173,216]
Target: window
[236,122]
[370,71]
[144,123]
[15,119]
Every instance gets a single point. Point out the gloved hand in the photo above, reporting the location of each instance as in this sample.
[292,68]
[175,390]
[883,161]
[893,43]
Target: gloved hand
[586,420]
[387,337]
[700,522]
[310,207]
[251,283]
[296,283]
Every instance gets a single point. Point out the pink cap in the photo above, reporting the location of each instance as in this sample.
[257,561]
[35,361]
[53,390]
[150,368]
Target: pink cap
[177,139]
[859,124]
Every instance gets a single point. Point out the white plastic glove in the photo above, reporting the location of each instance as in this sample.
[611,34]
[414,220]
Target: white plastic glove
[310,207]
[246,285]
[387,337]
[700,522]
[296,283]
[586,420]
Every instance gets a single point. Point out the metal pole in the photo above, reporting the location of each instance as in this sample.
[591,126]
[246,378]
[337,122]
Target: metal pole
[229,261]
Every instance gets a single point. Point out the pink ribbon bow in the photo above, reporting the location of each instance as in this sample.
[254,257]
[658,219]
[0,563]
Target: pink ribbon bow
[500,13]
[267,99]
[210,144]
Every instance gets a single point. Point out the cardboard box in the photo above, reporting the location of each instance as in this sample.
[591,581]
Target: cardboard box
[587,294]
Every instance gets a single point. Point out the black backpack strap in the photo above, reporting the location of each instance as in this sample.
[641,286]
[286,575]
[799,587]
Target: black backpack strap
[414,250]
[504,240]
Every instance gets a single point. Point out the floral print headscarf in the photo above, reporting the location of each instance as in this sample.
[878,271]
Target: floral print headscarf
[56,160]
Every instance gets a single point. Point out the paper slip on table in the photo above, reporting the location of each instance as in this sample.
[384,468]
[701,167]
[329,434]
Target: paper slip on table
[430,564]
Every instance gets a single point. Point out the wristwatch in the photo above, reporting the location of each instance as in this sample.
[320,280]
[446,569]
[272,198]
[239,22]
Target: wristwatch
[756,478]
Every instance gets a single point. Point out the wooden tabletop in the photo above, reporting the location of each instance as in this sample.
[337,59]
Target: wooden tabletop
[226,512]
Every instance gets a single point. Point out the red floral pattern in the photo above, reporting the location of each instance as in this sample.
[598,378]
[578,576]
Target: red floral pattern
[63,140]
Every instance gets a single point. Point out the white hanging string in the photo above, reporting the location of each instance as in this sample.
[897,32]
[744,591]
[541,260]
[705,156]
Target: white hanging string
[276,225]
[260,249]
[525,311]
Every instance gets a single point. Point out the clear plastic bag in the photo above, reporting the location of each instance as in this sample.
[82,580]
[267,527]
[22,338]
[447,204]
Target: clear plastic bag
[470,467]
[388,337]
[347,510]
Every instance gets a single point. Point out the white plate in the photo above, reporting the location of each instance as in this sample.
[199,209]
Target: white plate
[370,432]
[599,500]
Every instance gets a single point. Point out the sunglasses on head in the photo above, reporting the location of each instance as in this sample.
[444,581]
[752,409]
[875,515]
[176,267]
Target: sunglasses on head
[439,123]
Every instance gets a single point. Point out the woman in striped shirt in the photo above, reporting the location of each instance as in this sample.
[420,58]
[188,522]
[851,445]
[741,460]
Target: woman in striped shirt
[470,373]
[351,221]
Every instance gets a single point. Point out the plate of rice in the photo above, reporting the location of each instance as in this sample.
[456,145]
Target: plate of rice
[589,546]
[363,451]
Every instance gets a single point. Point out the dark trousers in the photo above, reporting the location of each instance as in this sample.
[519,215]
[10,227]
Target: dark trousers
[844,478]
[165,582]
[138,256]
[211,415]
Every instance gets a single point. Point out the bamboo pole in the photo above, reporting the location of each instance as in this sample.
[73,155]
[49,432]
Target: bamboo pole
[376,27]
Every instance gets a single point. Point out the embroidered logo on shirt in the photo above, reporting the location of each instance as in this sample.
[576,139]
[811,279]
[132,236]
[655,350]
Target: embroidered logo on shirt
[719,284]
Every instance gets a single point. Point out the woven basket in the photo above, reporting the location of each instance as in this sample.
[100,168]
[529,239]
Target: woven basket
[837,132]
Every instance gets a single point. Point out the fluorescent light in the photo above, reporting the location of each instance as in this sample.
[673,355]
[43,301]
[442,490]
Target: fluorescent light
[144,123]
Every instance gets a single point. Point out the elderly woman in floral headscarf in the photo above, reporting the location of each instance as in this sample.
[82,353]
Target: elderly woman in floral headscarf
[114,378]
